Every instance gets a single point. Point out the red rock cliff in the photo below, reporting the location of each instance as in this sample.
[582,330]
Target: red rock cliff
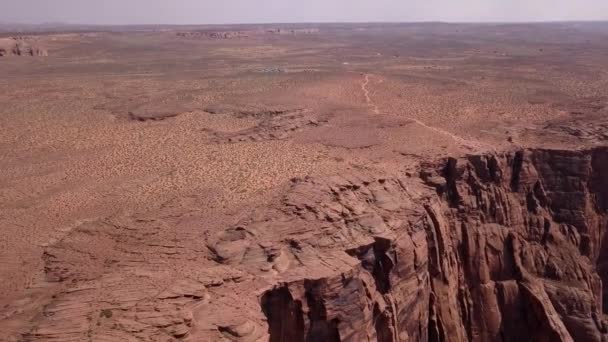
[511,248]
[498,247]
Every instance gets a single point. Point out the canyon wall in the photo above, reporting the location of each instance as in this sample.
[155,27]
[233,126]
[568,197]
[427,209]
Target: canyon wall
[511,247]
[498,247]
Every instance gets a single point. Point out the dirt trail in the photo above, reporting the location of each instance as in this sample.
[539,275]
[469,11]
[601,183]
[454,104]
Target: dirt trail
[368,99]
[464,142]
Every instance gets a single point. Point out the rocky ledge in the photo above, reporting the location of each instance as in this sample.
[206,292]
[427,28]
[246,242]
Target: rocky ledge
[512,247]
[497,247]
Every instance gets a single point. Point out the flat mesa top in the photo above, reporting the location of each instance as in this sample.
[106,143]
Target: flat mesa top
[125,151]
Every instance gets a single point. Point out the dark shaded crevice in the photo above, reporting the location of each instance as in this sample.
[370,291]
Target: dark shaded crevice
[436,332]
[320,329]
[382,325]
[598,183]
[383,266]
[450,173]
[599,178]
[511,262]
[376,259]
[536,319]
[518,162]
[494,170]
[435,244]
[531,202]
[285,317]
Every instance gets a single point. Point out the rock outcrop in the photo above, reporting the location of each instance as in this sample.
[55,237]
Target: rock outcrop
[512,248]
[519,243]
[277,124]
[222,35]
[284,31]
[498,247]
[20,46]
[214,34]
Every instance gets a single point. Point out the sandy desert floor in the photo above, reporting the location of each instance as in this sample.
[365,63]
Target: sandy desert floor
[124,153]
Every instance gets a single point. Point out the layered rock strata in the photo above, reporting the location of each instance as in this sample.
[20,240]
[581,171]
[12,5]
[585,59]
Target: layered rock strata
[511,248]
[496,247]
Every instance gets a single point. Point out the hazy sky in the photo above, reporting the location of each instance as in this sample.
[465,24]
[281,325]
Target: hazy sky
[256,11]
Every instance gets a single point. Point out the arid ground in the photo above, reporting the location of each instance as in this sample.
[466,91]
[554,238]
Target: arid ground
[168,183]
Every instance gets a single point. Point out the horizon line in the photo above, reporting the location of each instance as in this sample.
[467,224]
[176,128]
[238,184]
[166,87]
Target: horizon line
[58,24]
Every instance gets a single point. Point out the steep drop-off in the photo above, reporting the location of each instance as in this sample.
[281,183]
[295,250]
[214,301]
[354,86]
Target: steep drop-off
[497,247]
[511,248]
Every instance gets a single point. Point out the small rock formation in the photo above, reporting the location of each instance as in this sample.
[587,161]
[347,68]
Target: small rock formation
[272,124]
[292,31]
[20,46]
[214,34]
[221,35]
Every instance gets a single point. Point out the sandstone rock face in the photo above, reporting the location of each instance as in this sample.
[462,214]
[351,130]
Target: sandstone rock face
[511,248]
[498,247]
[519,239]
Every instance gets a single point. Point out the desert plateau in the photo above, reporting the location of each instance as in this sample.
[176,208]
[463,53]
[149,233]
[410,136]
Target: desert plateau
[304,182]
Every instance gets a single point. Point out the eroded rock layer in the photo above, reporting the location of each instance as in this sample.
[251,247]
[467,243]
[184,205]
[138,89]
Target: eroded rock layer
[498,247]
[512,248]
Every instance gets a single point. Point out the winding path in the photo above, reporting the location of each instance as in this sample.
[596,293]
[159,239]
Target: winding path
[464,142]
[368,99]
